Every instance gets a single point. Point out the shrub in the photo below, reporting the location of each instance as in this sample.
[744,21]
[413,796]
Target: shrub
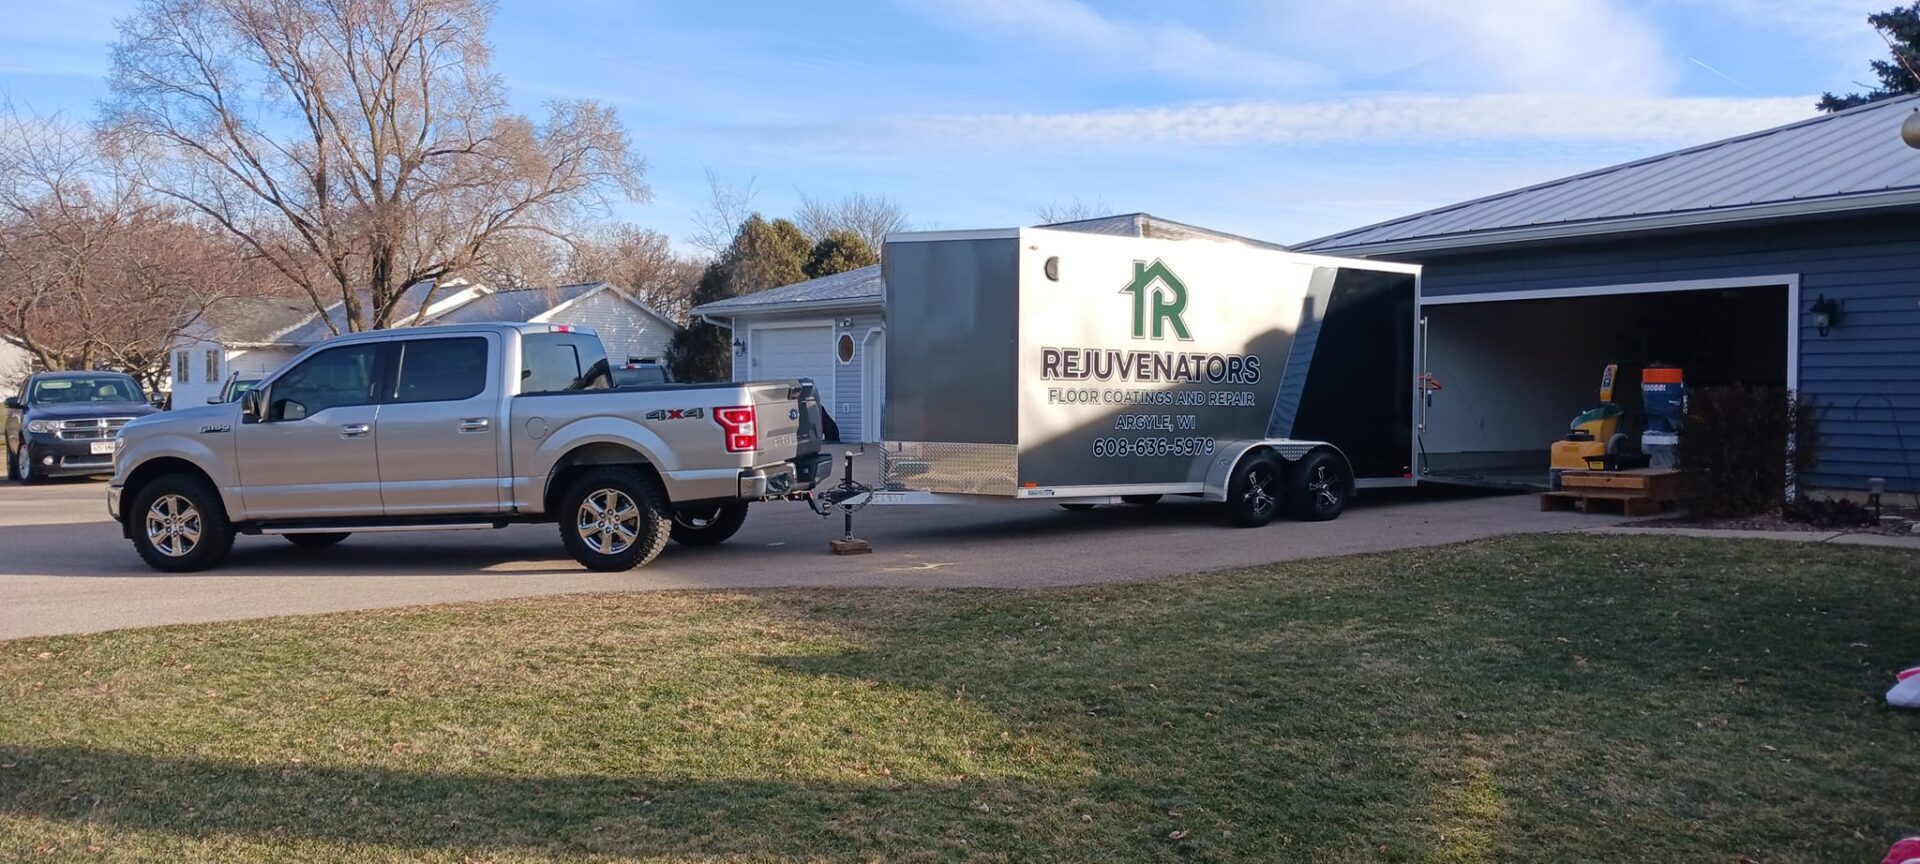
[1744,445]
[1828,513]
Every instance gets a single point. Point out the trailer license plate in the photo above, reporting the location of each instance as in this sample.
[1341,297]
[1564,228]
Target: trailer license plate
[103,448]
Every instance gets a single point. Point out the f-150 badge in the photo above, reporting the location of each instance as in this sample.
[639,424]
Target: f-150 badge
[676,414]
[214,428]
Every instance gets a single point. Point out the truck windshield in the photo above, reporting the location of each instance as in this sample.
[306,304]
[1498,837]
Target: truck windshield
[560,362]
[65,391]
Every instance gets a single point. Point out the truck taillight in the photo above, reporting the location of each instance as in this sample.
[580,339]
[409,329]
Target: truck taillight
[743,433]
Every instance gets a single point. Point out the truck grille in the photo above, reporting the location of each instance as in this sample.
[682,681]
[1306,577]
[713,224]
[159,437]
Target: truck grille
[95,429]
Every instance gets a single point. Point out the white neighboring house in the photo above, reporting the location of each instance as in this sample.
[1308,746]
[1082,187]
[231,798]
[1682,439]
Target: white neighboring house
[244,335]
[15,363]
[253,336]
[632,331]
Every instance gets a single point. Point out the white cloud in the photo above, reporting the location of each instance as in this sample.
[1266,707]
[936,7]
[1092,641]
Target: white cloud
[1565,46]
[1397,120]
[1123,48]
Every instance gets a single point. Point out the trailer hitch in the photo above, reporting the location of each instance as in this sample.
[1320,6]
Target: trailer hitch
[849,497]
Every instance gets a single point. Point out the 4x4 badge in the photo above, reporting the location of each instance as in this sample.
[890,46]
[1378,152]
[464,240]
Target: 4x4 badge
[676,413]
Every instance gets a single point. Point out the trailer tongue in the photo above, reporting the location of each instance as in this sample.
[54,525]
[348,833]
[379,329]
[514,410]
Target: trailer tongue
[1081,369]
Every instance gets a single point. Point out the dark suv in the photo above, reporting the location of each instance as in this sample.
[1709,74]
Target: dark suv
[67,424]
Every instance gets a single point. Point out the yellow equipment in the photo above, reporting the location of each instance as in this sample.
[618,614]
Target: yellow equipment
[1595,434]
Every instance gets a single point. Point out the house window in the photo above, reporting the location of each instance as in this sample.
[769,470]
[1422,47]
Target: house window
[845,347]
[180,367]
[213,366]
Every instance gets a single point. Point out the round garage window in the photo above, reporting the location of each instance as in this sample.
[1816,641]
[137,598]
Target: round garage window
[845,347]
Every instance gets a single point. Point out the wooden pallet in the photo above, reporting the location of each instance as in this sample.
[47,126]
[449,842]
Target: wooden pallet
[1639,492]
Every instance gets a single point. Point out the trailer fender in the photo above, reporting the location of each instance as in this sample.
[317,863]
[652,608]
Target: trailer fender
[1228,458]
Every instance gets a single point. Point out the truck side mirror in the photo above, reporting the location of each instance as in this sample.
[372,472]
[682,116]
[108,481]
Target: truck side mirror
[14,404]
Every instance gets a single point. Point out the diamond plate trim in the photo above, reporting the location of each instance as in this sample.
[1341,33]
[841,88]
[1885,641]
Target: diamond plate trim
[959,469]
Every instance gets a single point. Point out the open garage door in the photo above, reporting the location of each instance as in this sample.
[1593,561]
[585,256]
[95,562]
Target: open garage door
[1513,372]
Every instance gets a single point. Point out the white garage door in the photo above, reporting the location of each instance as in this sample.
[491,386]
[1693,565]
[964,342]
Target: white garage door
[793,352]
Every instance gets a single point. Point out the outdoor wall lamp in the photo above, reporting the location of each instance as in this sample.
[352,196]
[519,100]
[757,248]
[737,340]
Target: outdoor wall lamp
[739,347]
[1826,314]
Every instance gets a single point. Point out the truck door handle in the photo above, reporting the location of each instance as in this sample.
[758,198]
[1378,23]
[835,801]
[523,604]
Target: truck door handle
[474,424]
[355,430]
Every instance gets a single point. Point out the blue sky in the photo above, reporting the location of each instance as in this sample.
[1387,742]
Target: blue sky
[1283,120]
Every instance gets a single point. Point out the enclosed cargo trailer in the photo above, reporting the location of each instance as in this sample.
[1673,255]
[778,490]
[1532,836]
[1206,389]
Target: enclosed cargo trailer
[1080,369]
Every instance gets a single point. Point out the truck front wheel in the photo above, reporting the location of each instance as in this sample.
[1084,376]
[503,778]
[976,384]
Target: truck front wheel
[708,525]
[179,524]
[614,519]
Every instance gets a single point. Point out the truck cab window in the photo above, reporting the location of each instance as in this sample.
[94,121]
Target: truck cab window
[333,378]
[561,362]
[442,370]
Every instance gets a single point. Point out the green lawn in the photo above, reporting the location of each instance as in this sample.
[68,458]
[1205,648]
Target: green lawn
[1540,699]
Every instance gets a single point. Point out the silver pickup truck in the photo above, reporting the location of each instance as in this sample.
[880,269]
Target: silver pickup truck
[475,426]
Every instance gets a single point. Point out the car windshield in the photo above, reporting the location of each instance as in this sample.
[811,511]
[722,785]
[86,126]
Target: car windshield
[241,386]
[69,391]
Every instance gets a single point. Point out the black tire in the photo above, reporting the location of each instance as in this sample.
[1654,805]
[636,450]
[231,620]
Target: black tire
[1254,492]
[13,468]
[1077,508]
[20,467]
[164,519]
[1141,500]
[318,541]
[623,540]
[708,525]
[1322,484]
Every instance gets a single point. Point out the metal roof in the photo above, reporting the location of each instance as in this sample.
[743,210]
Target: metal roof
[852,287]
[1828,164]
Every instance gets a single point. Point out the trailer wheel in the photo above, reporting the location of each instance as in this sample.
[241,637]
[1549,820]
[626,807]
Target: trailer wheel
[1141,500]
[710,525]
[614,519]
[1322,484]
[1254,492]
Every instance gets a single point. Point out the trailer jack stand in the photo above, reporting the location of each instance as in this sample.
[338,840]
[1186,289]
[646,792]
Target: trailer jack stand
[849,498]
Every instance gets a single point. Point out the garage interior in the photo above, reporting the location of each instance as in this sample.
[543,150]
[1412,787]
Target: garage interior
[1513,373]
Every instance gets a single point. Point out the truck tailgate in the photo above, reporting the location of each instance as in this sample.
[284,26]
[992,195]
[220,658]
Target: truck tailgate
[788,414]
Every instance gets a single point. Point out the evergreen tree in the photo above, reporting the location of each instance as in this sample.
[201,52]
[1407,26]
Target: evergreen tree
[1901,26]
[762,255]
[841,250]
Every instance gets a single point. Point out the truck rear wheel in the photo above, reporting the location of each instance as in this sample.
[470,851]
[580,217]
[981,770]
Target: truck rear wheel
[1322,485]
[614,519]
[708,525]
[1253,493]
[179,524]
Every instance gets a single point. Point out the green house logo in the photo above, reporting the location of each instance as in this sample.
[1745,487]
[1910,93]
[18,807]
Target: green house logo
[1159,297]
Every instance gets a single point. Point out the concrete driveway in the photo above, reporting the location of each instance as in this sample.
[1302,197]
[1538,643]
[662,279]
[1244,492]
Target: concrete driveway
[65,569]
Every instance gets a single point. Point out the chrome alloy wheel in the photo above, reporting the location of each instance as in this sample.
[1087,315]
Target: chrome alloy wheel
[1259,497]
[173,525]
[1324,486]
[608,521]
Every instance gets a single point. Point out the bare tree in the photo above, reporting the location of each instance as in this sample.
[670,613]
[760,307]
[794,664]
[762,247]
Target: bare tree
[872,217]
[638,261]
[357,146]
[1073,211]
[94,273]
[727,207]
